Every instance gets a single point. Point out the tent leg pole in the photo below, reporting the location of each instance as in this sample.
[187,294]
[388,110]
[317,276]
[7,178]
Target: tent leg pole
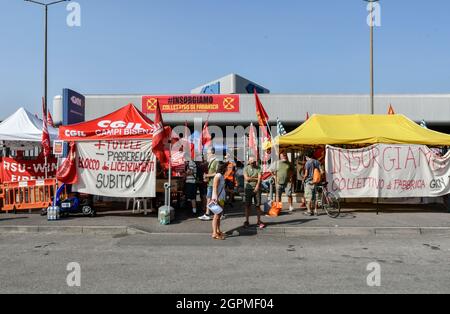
[378,207]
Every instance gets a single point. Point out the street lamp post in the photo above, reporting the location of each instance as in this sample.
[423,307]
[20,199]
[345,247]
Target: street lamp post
[46,5]
[372,84]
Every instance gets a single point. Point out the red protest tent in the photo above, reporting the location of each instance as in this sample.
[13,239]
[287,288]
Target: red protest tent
[127,123]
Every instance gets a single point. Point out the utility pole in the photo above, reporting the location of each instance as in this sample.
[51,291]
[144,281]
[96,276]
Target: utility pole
[46,5]
[372,75]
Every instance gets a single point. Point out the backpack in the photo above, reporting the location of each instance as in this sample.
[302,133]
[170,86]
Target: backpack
[317,176]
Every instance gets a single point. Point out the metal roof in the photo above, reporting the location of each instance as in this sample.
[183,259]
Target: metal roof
[290,108]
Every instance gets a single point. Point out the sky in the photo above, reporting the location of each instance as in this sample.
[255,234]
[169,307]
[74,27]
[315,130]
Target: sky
[173,46]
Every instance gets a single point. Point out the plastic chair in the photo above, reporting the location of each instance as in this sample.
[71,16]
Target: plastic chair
[138,203]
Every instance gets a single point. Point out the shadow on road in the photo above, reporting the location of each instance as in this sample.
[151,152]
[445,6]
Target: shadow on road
[15,218]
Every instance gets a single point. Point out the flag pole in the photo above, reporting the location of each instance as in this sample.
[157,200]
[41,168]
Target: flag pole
[45,167]
[45,127]
[169,184]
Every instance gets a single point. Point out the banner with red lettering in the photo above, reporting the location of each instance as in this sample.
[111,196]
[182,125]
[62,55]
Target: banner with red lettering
[387,171]
[12,170]
[116,168]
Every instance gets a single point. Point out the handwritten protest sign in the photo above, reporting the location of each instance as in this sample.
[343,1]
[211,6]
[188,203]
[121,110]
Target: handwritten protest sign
[388,171]
[116,168]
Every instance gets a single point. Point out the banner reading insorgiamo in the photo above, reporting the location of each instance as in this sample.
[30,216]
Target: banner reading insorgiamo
[387,171]
[116,168]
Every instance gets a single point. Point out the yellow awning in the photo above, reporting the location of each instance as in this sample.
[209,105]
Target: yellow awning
[361,129]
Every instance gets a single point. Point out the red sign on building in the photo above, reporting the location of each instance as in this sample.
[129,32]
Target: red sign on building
[192,104]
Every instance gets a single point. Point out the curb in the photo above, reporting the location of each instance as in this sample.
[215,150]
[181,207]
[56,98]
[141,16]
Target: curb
[354,231]
[93,230]
[270,231]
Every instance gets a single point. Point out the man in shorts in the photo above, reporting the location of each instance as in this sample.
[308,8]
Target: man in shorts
[310,187]
[252,188]
[283,171]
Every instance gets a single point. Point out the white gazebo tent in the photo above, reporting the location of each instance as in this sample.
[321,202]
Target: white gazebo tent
[23,131]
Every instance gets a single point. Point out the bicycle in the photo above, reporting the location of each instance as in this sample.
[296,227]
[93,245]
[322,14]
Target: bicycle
[327,200]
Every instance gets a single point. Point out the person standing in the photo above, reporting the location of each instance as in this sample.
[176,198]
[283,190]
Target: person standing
[310,187]
[218,198]
[300,183]
[202,186]
[283,172]
[252,190]
[191,184]
[213,165]
[230,179]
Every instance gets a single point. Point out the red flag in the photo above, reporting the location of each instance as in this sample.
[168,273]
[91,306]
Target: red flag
[160,137]
[50,120]
[45,135]
[263,120]
[253,142]
[188,142]
[67,172]
[391,110]
[263,117]
[206,136]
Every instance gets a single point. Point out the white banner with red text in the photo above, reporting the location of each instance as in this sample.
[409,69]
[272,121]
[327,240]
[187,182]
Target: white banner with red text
[388,171]
[116,168]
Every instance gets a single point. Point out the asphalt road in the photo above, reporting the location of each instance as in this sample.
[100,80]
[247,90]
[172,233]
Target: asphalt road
[36,263]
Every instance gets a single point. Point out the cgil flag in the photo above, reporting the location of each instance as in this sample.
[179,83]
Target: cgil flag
[45,135]
[67,172]
[188,144]
[160,137]
[50,120]
[206,136]
[253,142]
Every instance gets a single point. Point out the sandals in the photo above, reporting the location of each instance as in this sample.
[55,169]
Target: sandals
[261,225]
[220,237]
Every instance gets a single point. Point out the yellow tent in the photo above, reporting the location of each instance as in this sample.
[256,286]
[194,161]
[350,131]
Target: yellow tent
[361,129]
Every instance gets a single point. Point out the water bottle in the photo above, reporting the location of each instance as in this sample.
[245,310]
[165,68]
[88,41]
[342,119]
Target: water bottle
[164,215]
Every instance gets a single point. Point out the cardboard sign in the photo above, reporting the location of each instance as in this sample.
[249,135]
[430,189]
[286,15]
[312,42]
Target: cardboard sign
[58,148]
